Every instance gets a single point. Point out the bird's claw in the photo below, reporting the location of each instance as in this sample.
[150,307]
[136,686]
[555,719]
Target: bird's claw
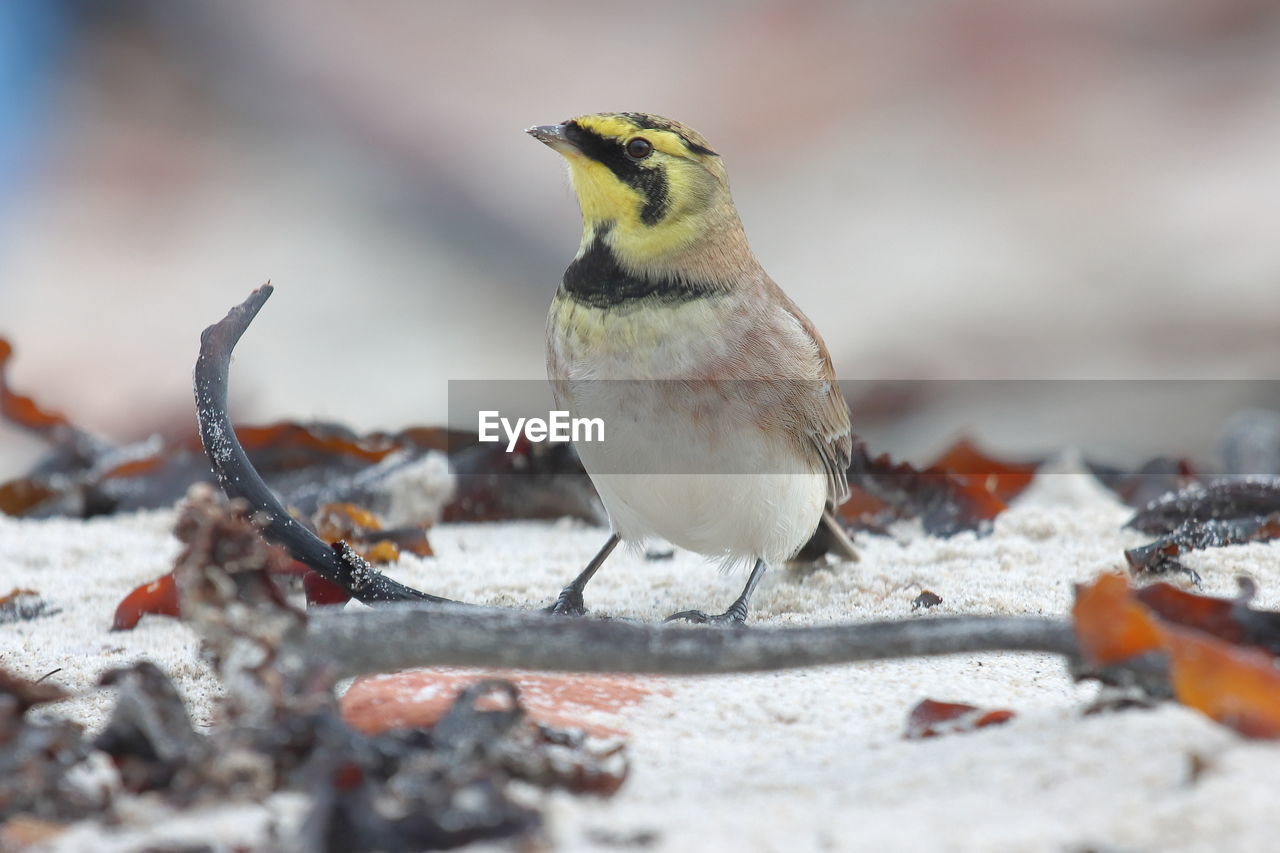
[569,603]
[733,617]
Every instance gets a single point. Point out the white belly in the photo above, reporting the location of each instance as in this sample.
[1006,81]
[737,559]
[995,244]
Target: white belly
[696,470]
[685,461]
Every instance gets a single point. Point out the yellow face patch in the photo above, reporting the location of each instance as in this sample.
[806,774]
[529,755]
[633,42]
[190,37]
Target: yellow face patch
[652,204]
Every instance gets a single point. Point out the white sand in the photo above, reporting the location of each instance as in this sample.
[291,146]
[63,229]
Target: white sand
[801,760]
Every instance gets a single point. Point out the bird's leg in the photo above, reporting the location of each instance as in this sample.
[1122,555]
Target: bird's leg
[737,612]
[570,601]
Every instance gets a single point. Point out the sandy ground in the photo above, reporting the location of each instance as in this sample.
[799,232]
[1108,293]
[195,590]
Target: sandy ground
[802,760]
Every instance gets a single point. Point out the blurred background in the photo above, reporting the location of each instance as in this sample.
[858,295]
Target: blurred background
[972,189]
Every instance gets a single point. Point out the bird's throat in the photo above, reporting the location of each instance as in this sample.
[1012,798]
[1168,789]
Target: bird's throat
[597,277]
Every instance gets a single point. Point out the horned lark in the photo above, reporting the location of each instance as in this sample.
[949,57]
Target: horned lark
[725,431]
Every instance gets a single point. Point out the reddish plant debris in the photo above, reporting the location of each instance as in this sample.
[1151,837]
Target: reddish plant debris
[942,502]
[307,464]
[931,718]
[344,521]
[24,411]
[1231,620]
[24,605]
[968,463]
[946,502]
[210,533]
[158,597]
[1238,687]
[419,697]
[1214,649]
[289,446]
[365,531]
[560,746]
[339,522]
[1110,625]
[19,497]
[15,593]
[864,511]
[321,592]
[425,788]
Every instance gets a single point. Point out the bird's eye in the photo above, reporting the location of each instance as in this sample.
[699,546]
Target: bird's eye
[639,148]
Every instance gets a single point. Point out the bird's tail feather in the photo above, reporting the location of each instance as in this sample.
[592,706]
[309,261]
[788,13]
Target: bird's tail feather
[841,544]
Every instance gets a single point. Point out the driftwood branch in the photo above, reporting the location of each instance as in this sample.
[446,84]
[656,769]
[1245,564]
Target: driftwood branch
[404,635]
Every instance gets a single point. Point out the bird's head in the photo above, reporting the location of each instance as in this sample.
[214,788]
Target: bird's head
[652,185]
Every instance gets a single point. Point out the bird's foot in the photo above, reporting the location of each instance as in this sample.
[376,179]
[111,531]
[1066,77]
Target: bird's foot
[569,603]
[734,617]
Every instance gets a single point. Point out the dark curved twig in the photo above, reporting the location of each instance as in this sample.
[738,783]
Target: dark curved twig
[402,636]
[239,479]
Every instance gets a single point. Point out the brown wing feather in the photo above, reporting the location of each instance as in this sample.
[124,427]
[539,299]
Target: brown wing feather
[827,421]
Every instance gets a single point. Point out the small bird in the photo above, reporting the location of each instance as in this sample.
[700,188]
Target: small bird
[725,430]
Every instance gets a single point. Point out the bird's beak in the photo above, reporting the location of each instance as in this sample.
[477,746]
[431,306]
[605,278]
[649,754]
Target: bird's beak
[553,135]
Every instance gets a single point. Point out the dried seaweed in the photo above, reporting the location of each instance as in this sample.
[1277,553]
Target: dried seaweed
[149,736]
[85,475]
[968,463]
[37,759]
[946,503]
[158,597]
[308,465]
[73,444]
[1226,512]
[930,718]
[963,489]
[398,790]
[1161,556]
[369,541]
[1207,656]
[367,533]
[24,605]
[280,727]
[1236,498]
[1229,619]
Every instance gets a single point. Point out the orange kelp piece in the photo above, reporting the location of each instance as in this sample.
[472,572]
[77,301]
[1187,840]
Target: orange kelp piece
[1005,480]
[1238,687]
[1211,665]
[1110,625]
[160,597]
